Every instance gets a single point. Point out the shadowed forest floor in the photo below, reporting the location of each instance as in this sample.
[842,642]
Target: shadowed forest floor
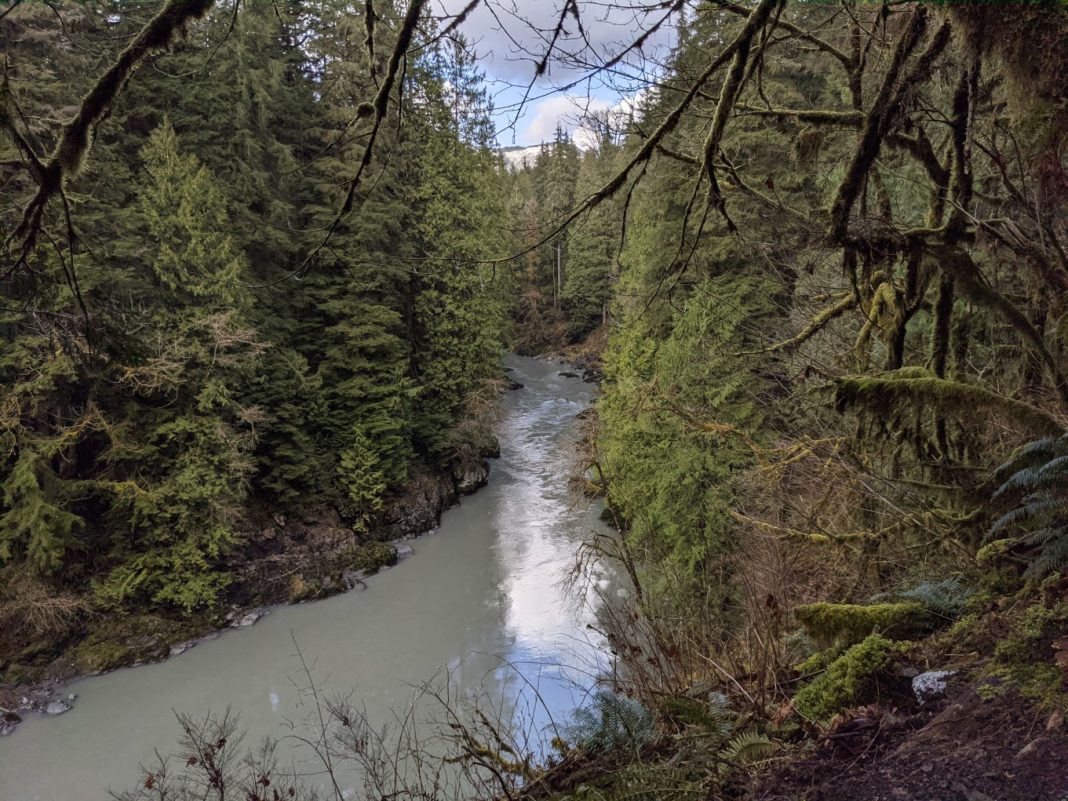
[971,749]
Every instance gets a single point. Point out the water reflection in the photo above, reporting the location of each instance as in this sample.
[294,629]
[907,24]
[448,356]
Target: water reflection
[481,603]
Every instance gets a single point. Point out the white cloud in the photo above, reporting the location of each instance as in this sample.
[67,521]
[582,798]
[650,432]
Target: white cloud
[511,35]
[571,112]
[564,110]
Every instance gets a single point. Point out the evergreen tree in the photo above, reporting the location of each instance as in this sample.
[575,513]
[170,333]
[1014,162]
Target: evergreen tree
[192,430]
[459,315]
[592,248]
[33,527]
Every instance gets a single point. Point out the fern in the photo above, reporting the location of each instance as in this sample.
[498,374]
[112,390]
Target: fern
[610,723]
[947,598]
[1025,513]
[746,748]
[1035,481]
[1038,452]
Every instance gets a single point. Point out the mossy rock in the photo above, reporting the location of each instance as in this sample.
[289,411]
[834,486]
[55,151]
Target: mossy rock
[372,557]
[846,624]
[849,680]
[333,574]
[94,656]
[130,640]
[302,590]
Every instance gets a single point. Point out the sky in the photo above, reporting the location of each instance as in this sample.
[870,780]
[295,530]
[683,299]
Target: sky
[509,36]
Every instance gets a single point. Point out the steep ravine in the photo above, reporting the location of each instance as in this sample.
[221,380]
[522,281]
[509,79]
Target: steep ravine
[485,587]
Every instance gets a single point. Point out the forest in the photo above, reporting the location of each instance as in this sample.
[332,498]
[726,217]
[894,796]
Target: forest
[262,261]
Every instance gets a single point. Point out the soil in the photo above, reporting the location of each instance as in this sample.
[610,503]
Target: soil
[971,748]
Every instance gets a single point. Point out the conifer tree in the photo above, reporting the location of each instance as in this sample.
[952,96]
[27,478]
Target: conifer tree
[592,248]
[34,527]
[458,312]
[193,463]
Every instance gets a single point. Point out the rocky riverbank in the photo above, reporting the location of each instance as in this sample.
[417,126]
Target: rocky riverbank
[285,558]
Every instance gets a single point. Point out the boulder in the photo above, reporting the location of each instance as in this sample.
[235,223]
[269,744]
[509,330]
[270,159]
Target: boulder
[182,647]
[417,510]
[931,685]
[247,619]
[470,475]
[58,707]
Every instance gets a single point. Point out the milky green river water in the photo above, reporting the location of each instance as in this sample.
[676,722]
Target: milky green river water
[485,586]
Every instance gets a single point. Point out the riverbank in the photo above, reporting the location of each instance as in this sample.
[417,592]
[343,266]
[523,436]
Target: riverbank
[284,559]
[481,605]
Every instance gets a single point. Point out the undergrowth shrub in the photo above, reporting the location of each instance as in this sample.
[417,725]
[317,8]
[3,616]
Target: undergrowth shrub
[611,722]
[1034,483]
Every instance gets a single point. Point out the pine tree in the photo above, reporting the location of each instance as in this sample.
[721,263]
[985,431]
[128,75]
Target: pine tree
[192,430]
[33,527]
[592,248]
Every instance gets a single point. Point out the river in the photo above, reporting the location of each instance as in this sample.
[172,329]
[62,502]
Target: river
[480,602]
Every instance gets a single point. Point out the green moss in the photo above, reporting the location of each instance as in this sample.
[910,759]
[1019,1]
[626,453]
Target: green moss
[850,679]
[969,634]
[372,557]
[818,661]
[990,552]
[894,395]
[1023,659]
[328,576]
[1040,681]
[115,643]
[845,624]
[100,656]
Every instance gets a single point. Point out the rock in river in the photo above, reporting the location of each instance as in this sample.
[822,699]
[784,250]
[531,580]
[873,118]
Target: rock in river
[248,618]
[58,707]
[470,475]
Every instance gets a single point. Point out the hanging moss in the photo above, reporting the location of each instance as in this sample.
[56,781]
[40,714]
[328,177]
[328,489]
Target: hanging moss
[850,679]
[849,623]
[898,392]
[1027,38]
[807,147]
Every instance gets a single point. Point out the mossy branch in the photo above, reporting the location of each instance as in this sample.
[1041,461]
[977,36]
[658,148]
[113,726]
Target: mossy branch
[849,679]
[728,95]
[845,59]
[846,624]
[884,305]
[880,117]
[912,387]
[959,264]
[69,154]
[369,38]
[845,119]
[842,304]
